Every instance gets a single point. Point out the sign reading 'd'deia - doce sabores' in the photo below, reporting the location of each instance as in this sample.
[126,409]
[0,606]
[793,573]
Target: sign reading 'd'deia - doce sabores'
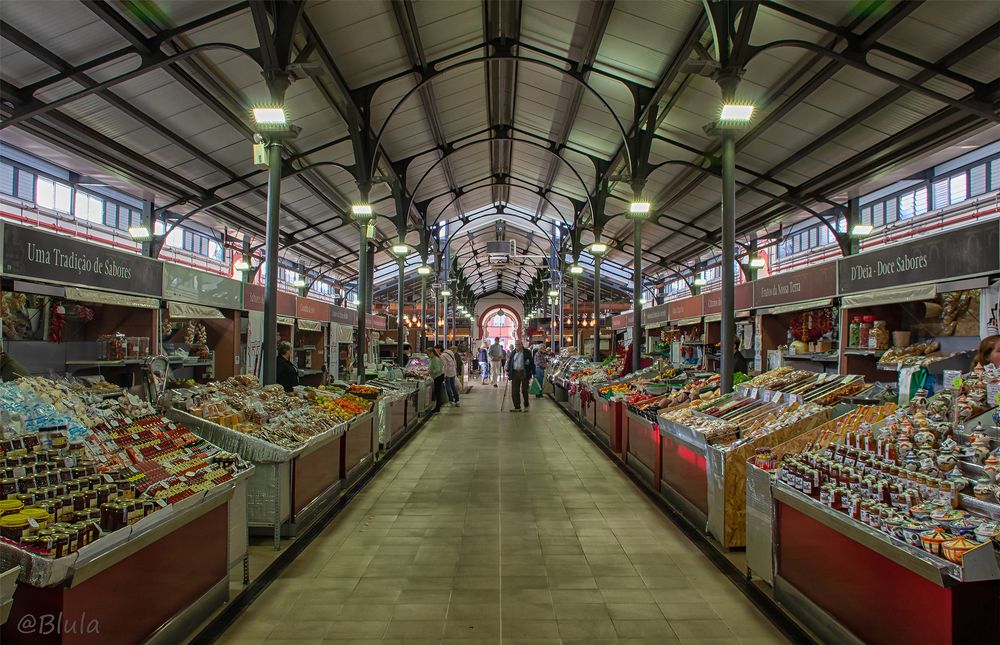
[963,252]
[37,255]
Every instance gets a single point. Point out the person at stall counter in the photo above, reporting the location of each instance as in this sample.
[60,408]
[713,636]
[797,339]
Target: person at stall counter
[10,369]
[739,362]
[520,369]
[988,352]
[496,360]
[285,373]
[435,369]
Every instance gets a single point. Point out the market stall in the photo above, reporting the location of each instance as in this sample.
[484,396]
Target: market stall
[72,307]
[712,309]
[102,488]
[797,321]
[920,528]
[297,441]
[340,358]
[200,327]
[690,343]
[911,311]
[309,349]
[709,443]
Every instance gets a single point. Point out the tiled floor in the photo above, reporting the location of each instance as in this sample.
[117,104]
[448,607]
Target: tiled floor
[496,526]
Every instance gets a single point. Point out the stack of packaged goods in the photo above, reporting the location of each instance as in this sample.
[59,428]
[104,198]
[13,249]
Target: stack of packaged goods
[71,472]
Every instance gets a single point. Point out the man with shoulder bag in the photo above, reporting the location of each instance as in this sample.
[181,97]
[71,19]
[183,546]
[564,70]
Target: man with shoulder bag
[520,370]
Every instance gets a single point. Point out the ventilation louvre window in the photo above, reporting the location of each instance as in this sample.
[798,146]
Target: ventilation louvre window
[958,188]
[940,194]
[25,186]
[977,180]
[890,211]
[6,179]
[878,219]
[995,174]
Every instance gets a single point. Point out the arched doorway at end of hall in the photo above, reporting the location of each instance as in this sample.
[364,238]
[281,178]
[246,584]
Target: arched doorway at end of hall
[500,322]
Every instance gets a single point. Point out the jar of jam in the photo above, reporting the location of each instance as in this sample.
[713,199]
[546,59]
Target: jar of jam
[10,507]
[40,516]
[27,499]
[91,496]
[8,488]
[30,542]
[61,543]
[148,507]
[134,511]
[83,534]
[26,483]
[46,542]
[73,486]
[66,508]
[13,527]
[72,540]
[866,509]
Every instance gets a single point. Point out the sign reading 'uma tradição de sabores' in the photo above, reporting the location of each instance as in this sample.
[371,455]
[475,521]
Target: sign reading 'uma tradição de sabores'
[37,255]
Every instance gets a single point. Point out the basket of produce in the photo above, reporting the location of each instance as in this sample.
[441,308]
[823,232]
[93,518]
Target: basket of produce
[365,392]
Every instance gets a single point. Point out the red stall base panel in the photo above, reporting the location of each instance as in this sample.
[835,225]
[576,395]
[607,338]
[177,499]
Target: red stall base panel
[875,598]
[684,470]
[357,445]
[131,599]
[644,445]
[314,473]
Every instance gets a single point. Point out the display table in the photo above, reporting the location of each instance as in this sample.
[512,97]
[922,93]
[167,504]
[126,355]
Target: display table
[684,474]
[609,419]
[288,488]
[851,583]
[358,447]
[641,439]
[395,418]
[154,581]
[414,413]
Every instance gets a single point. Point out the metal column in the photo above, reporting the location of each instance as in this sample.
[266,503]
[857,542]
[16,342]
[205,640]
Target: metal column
[273,234]
[437,314]
[362,344]
[444,317]
[562,319]
[637,296]
[399,316]
[423,313]
[728,258]
[597,309]
[576,313]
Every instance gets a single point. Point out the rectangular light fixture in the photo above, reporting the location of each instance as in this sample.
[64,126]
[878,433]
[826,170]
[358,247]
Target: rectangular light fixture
[298,284]
[269,116]
[576,269]
[139,233]
[553,293]
[639,208]
[241,265]
[423,269]
[862,230]
[598,248]
[446,292]
[400,249]
[736,112]
[361,210]
[757,262]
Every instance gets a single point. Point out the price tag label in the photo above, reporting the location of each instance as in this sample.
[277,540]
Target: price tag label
[108,478]
[953,379]
[993,393]
[32,523]
[20,471]
[162,502]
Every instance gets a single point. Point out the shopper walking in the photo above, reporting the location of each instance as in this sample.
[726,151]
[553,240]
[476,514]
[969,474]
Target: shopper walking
[437,373]
[519,370]
[496,361]
[484,362]
[450,371]
[541,359]
[460,363]
[285,373]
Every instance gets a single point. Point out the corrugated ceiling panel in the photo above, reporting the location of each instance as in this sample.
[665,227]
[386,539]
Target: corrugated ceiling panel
[362,37]
[446,27]
[77,37]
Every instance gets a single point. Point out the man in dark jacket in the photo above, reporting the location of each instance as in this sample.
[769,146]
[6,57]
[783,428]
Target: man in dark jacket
[285,373]
[520,369]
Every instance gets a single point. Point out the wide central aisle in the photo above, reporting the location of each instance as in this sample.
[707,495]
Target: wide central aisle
[496,526]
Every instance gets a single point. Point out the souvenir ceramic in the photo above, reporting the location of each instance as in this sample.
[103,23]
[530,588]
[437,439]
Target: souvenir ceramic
[980,448]
[990,529]
[958,479]
[991,466]
[964,526]
[924,438]
[911,462]
[932,540]
[983,489]
[948,445]
[927,465]
[904,447]
[911,531]
[946,461]
[923,511]
[949,514]
[894,526]
[955,549]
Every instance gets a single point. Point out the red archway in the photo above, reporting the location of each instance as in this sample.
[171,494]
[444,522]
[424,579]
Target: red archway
[488,316]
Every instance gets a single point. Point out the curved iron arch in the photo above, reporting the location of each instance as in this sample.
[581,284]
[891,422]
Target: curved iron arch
[572,168]
[483,215]
[486,59]
[490,185]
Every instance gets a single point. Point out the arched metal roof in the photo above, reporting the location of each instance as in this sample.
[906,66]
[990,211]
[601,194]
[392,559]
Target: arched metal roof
[479,104]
